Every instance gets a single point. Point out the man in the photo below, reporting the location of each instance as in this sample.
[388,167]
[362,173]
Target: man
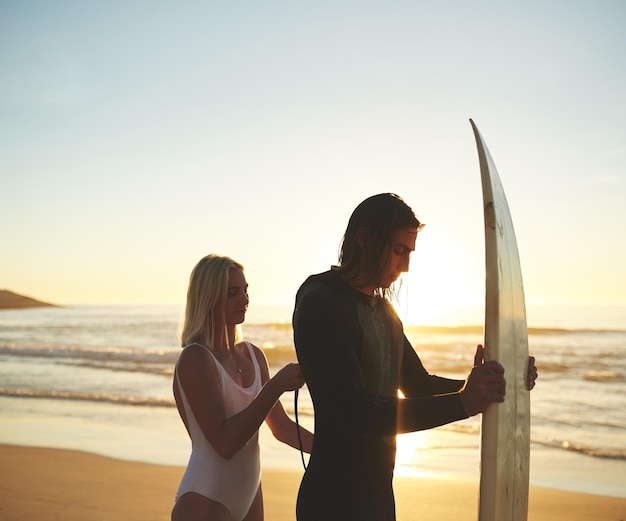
[355,358]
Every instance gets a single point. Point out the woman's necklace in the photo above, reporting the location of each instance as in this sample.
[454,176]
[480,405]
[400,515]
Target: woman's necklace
[233,357]
[237,362]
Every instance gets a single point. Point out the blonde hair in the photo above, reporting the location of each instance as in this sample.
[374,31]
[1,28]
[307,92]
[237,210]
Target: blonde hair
[206,295]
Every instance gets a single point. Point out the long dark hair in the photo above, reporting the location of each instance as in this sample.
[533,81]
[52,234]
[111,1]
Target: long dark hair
[366,243]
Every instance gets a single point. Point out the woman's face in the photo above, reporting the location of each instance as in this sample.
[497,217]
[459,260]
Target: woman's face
[236,298]
[399,256]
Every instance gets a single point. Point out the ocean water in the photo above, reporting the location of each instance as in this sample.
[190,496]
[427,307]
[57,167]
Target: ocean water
[98,378]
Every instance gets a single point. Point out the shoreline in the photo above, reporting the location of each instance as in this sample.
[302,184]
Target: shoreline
[157,436]
[50,484]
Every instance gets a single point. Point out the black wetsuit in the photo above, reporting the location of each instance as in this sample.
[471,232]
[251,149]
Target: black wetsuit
[354,357]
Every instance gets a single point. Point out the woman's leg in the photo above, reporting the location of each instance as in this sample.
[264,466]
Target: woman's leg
[194,507]
[256,509]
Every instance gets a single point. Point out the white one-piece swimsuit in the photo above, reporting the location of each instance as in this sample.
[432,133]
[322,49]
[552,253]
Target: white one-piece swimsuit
[232,482]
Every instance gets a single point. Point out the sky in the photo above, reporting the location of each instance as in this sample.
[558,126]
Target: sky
[138,136]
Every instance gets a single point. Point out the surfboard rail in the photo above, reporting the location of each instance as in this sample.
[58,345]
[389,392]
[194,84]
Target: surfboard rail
[505,427]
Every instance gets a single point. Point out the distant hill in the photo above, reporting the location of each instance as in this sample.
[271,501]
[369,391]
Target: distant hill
[10,300]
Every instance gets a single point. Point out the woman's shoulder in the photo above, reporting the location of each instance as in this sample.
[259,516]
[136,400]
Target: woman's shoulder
[192,354]
[195,349]
[197,364]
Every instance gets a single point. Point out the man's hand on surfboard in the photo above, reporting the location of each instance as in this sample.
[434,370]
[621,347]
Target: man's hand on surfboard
[484,385]
[532,373]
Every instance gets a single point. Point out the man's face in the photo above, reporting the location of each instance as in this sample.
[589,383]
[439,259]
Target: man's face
[399,255]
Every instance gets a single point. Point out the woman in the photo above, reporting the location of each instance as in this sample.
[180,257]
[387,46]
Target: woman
[344,315]
[224,393]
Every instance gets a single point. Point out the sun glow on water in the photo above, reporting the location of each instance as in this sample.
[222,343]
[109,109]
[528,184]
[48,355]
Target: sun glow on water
[407,447]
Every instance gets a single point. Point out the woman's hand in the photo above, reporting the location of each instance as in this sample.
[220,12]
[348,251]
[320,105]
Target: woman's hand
[290,377]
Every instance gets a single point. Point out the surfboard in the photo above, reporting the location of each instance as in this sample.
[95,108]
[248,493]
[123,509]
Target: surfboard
[505,427]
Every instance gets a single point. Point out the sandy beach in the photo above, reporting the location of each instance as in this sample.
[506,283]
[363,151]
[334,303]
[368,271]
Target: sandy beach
[51,484]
